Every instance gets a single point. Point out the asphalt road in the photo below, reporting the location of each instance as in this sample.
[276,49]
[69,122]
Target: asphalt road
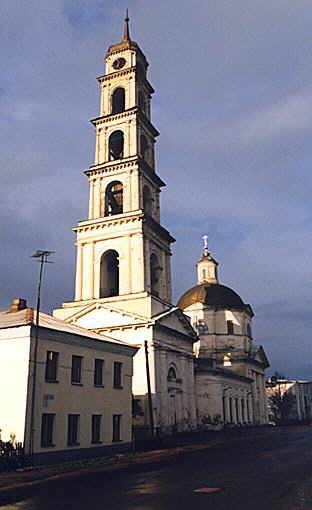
[272,472]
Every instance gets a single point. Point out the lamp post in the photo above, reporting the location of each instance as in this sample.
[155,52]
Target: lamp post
[42,257]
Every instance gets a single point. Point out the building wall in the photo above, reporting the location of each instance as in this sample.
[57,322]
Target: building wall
[14,366]
[63,398]
[215,395]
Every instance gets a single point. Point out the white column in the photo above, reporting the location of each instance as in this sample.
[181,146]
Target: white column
[78,289]
[91,200]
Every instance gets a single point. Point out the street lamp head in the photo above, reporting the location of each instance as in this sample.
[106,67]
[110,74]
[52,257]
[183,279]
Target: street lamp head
[42,253]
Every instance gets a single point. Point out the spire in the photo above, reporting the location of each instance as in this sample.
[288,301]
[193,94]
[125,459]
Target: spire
[207,271]
[126,36]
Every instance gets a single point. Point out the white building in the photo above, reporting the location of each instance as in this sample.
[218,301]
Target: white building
[300,409]
[65,391]
[229,371]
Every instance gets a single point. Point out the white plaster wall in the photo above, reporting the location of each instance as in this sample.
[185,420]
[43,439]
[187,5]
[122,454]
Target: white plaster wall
[14,364]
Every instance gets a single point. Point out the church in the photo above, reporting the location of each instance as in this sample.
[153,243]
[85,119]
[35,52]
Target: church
[196,364]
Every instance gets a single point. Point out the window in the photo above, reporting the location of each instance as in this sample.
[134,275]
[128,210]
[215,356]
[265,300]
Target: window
[143,146]
[109,274]
[249,330]
[98,372]
[116,145]
[116,427]
[51,366]
[118,100]
[76,369]
[172,376]
[47,429]
[230,327]
[73,429]
[114,198]
[155,274]
[96,428]
[117,374]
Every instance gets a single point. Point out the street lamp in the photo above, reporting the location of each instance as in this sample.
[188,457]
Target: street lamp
[42,258]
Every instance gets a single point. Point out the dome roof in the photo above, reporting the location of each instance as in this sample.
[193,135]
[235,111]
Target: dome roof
[215,295]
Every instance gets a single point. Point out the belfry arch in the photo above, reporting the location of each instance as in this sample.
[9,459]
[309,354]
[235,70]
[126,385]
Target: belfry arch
[113,199]
[155,274]
[109,274]
[116,145]
[118,100]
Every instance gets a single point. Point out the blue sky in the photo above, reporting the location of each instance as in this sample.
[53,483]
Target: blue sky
[233,104]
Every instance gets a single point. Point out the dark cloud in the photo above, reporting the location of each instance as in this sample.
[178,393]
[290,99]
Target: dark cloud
[233,105]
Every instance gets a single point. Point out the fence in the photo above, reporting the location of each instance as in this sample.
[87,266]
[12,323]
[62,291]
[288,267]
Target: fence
[11,456]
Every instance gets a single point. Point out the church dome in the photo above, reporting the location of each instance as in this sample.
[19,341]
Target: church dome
[215,295]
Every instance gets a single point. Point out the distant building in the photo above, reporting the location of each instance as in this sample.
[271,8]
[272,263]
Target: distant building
[81,402]
[301,391]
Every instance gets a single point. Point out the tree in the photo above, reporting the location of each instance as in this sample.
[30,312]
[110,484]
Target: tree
[281,399]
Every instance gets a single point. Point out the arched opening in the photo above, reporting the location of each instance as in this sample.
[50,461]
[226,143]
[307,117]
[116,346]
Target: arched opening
[114,198]
[147,201]
[116,145]
[227,360]
[143,146]
[109,274]
[142,104]
[118,100]
[155,274]
[172,375]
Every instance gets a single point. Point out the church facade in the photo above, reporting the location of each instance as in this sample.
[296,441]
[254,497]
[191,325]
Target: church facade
[123,275]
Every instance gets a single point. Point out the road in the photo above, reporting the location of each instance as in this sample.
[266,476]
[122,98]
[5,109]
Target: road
[272,472]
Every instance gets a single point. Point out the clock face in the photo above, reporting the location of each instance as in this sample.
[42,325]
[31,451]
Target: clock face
[119,63]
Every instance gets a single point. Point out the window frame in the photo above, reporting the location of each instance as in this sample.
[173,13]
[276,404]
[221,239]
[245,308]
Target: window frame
[230,327]
[79,370]
[116,431]
[118,375]
[51,366]
[96,383]
[47,430]
[96,429]
[73,433]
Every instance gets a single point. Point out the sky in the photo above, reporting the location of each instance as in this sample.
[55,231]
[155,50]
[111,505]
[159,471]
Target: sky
[233,104]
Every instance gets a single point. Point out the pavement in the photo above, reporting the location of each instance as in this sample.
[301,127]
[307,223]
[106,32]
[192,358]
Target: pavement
[249,469]
[27,478]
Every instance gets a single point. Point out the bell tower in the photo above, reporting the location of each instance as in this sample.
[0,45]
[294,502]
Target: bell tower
[123,252]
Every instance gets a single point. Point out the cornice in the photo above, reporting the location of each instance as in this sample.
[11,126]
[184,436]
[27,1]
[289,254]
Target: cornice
[135,163]
[125,72]
[156,227]
[109,221]
[134,111]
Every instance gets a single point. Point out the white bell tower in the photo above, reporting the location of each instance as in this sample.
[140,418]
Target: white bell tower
[123,252]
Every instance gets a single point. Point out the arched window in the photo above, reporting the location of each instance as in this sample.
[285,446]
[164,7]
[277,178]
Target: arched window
[172,376]
[109,274]
[155,274]
[118,100]
[230,327]
[142,104]
[116,145]
[114,198]
[227,360]
[147,200]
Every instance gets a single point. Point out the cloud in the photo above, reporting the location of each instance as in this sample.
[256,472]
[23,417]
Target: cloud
[233,105]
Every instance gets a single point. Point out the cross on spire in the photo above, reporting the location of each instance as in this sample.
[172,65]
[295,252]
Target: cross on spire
[126,36]
[205,250]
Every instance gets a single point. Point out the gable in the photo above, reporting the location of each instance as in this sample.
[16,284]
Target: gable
[101,316]
[260,356]
[177,321]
